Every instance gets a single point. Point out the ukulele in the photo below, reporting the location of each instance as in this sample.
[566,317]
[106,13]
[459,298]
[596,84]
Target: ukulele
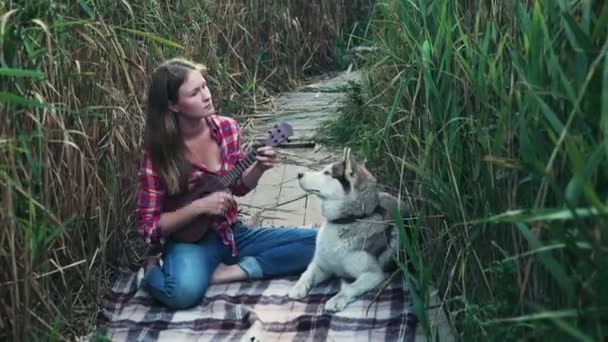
[209,183]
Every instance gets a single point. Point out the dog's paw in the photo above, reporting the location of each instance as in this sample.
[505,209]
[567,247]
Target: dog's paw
[298,291]
[337,303]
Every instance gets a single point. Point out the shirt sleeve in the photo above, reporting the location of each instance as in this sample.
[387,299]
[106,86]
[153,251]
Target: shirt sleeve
[149,202]
[239,188]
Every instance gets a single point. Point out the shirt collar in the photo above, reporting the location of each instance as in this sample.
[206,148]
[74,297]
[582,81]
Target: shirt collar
[214,125]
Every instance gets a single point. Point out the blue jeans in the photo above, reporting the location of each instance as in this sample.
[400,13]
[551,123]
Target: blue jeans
[262,253]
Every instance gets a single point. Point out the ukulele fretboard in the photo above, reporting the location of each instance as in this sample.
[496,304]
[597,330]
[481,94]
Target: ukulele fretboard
[238,169]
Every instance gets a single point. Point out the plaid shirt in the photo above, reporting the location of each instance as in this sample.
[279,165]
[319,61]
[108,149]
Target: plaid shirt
[226,132]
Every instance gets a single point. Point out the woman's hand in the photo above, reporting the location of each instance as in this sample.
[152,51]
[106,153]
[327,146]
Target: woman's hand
[217,203]
[266,158]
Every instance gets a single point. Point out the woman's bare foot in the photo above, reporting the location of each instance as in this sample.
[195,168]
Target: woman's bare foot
[227,273]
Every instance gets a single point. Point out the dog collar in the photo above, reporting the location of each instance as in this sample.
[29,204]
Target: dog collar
[353,218]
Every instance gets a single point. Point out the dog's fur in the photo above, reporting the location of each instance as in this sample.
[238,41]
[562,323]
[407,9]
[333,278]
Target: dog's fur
[357,240]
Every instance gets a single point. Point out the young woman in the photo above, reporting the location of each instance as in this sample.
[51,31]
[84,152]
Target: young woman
[184,140]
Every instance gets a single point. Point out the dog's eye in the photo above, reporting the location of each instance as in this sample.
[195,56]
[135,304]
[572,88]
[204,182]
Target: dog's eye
[327,173]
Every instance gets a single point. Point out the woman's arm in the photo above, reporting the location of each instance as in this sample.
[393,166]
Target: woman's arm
[252,175]
[266,159]
[170,222]
[149,197]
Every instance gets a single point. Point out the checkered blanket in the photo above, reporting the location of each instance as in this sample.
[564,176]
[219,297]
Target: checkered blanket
[259,311]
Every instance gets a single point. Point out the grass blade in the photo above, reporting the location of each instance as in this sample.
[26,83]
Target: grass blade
[10,98]
[154,37]
[14,72]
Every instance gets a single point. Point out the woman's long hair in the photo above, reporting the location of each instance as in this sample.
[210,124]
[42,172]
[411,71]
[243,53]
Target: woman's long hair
[162,138]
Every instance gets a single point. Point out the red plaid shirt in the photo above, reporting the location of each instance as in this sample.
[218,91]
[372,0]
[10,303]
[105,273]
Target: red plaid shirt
[151,194]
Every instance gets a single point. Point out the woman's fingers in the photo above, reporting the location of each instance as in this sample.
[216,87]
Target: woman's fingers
[267,151]
[228,201]
[265,159]
[267,156]
[223,202]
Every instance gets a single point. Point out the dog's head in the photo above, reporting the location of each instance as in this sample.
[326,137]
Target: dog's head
[337,180]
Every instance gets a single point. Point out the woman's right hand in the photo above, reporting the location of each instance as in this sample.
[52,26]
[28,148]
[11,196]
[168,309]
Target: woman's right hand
[216,203]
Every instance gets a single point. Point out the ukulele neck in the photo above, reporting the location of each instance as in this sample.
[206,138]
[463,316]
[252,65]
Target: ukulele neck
[233,175]
[279,133]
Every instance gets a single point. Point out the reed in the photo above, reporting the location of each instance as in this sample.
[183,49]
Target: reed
[491,119]
[73,76]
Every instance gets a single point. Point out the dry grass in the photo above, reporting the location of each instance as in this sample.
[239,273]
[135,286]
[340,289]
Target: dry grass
[73,77]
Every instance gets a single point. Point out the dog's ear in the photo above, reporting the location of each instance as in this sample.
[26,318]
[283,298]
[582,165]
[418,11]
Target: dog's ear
[363,165]
[363,171]
[345,154]
[350,164]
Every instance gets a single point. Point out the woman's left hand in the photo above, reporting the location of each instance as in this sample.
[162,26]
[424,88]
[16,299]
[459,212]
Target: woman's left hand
[266,158]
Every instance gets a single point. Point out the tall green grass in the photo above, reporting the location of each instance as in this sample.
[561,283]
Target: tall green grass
[491,118]
[73,76]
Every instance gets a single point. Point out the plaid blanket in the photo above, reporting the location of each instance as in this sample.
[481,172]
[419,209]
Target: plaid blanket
[259,311]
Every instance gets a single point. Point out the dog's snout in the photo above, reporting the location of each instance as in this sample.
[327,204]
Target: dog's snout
[300,175]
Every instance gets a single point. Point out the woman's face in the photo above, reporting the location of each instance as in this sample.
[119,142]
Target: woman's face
[194,99]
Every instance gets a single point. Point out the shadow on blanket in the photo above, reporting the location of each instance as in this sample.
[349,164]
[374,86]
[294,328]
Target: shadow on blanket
[258,311]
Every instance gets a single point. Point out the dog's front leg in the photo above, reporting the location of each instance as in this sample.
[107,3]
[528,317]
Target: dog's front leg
[349,293]
[311,277]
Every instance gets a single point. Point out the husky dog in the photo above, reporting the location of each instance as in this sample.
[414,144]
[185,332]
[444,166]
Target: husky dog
[357,240]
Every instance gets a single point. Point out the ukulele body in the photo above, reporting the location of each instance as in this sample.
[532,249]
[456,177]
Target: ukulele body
[195,229]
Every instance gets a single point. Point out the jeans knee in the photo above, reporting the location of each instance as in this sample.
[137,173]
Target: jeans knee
[310,237]
[185,295]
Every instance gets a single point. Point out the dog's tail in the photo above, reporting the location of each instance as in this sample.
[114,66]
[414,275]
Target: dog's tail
[390,202]
[386,258]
